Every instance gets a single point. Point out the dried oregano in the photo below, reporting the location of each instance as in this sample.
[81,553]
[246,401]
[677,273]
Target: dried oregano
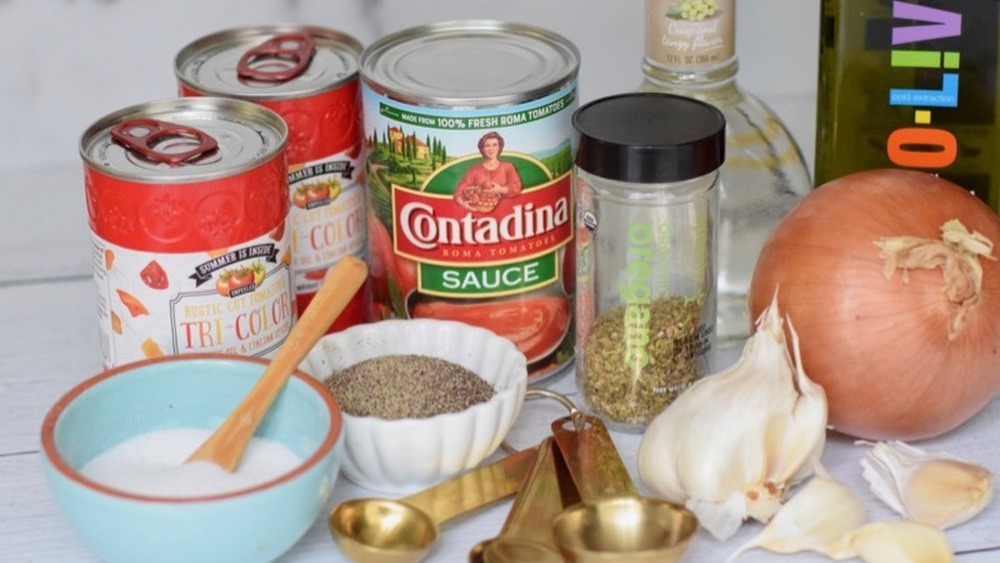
[615,388]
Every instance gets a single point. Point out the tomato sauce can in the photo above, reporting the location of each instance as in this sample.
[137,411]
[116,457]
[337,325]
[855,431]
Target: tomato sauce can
[309,76]
[187,201]
[469,155]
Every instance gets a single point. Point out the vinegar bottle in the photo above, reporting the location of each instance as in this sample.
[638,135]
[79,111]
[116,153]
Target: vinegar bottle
[690,51]
[913,85]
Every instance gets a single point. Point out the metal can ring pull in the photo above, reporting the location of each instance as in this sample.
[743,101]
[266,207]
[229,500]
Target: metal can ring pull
[297,48]
[140,135]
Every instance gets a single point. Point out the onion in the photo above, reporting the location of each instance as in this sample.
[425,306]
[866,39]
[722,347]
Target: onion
[896,352]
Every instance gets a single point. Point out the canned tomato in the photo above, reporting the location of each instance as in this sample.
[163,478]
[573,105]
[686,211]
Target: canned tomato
[309,76]
[187,200]
[469,140]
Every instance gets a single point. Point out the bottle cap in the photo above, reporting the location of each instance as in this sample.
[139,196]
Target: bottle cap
[649,137]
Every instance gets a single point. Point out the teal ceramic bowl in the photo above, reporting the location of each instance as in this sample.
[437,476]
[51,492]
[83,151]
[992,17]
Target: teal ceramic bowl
[193,391]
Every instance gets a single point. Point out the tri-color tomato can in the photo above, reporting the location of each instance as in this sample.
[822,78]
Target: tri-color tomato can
[470,150]
[309,76]
[187,200]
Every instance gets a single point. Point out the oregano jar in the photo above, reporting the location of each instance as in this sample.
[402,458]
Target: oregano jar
[646,181]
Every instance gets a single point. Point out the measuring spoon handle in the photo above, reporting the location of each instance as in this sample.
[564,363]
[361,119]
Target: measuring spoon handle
[474,489]
[591,458]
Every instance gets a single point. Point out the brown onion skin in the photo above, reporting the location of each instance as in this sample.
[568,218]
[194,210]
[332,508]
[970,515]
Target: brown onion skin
[880,348]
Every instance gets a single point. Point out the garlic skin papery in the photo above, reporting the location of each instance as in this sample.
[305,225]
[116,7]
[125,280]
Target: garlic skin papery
[936,489]
[731,445]
[820,517]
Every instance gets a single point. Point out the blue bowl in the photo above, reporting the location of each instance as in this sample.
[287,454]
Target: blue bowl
[190,391]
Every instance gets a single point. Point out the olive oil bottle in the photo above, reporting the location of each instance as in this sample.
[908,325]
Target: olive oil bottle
[691,51]
[910,84]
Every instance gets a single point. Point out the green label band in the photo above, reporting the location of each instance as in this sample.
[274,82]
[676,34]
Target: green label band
[489,281]
[478,122]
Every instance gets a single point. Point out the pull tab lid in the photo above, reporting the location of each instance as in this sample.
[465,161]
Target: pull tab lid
[163,142]
[279,59]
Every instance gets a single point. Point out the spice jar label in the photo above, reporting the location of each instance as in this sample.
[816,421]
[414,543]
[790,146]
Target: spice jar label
[642,353]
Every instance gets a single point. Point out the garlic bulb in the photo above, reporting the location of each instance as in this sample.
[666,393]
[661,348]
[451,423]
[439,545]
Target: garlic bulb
[818,518]
[901,541]
[732,444]
[936,489]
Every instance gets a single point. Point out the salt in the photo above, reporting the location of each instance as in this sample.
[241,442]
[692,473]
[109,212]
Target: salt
[154,464]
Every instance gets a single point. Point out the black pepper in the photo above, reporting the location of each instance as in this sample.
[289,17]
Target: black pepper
[400,386]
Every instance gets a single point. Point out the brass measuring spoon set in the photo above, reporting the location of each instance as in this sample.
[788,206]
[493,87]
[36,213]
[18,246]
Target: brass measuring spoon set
[574,502]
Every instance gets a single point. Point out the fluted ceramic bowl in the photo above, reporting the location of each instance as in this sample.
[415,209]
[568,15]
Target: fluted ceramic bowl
[404,455]
[255,523]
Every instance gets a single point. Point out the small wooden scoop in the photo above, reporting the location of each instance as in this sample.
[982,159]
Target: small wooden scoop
[226,445]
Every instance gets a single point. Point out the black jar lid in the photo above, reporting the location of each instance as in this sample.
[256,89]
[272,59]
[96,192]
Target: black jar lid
[649,137]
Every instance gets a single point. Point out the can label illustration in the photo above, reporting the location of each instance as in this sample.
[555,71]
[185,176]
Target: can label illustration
[471,207]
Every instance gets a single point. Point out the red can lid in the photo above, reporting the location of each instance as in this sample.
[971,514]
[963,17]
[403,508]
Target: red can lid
[186,175]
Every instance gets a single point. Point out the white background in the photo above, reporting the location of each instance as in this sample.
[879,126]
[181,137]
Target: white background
[66,63]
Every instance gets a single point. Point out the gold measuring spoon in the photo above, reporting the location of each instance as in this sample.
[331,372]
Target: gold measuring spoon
[373,530]
[226,445]
[613,523]
[526,534]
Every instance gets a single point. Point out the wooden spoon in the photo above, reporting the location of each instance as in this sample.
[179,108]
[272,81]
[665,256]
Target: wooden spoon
[226,445]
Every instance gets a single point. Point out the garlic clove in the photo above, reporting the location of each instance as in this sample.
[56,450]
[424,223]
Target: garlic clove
[805,435]
[901,541]
[721,519]
[936,489]
[818,518]
[945,493]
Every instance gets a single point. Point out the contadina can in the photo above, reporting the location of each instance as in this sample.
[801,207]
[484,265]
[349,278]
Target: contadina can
[308,75]
[187,200]
[469,138]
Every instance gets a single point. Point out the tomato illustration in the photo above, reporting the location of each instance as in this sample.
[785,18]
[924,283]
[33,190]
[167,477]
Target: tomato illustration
[382,265]
[317,192]
[222,284]
[536,325]
[134,306]
[258,273]
[299,198]
[315,275]
[277,232]
[241,277]
[333,187]
[355,151]
[154,276]
[406,275]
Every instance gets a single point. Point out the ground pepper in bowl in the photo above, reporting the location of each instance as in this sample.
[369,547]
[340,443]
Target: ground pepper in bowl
[398,386]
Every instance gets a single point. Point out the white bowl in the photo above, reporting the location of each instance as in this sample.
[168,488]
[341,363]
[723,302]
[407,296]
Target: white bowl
[402,456]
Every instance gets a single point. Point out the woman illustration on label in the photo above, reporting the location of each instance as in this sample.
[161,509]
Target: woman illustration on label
[486,183]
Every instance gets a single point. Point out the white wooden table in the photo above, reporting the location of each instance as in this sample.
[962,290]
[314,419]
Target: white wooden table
[48,343]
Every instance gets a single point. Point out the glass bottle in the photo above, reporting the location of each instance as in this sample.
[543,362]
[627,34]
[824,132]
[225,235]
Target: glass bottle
[647,203]
[910,85]
[690,51]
